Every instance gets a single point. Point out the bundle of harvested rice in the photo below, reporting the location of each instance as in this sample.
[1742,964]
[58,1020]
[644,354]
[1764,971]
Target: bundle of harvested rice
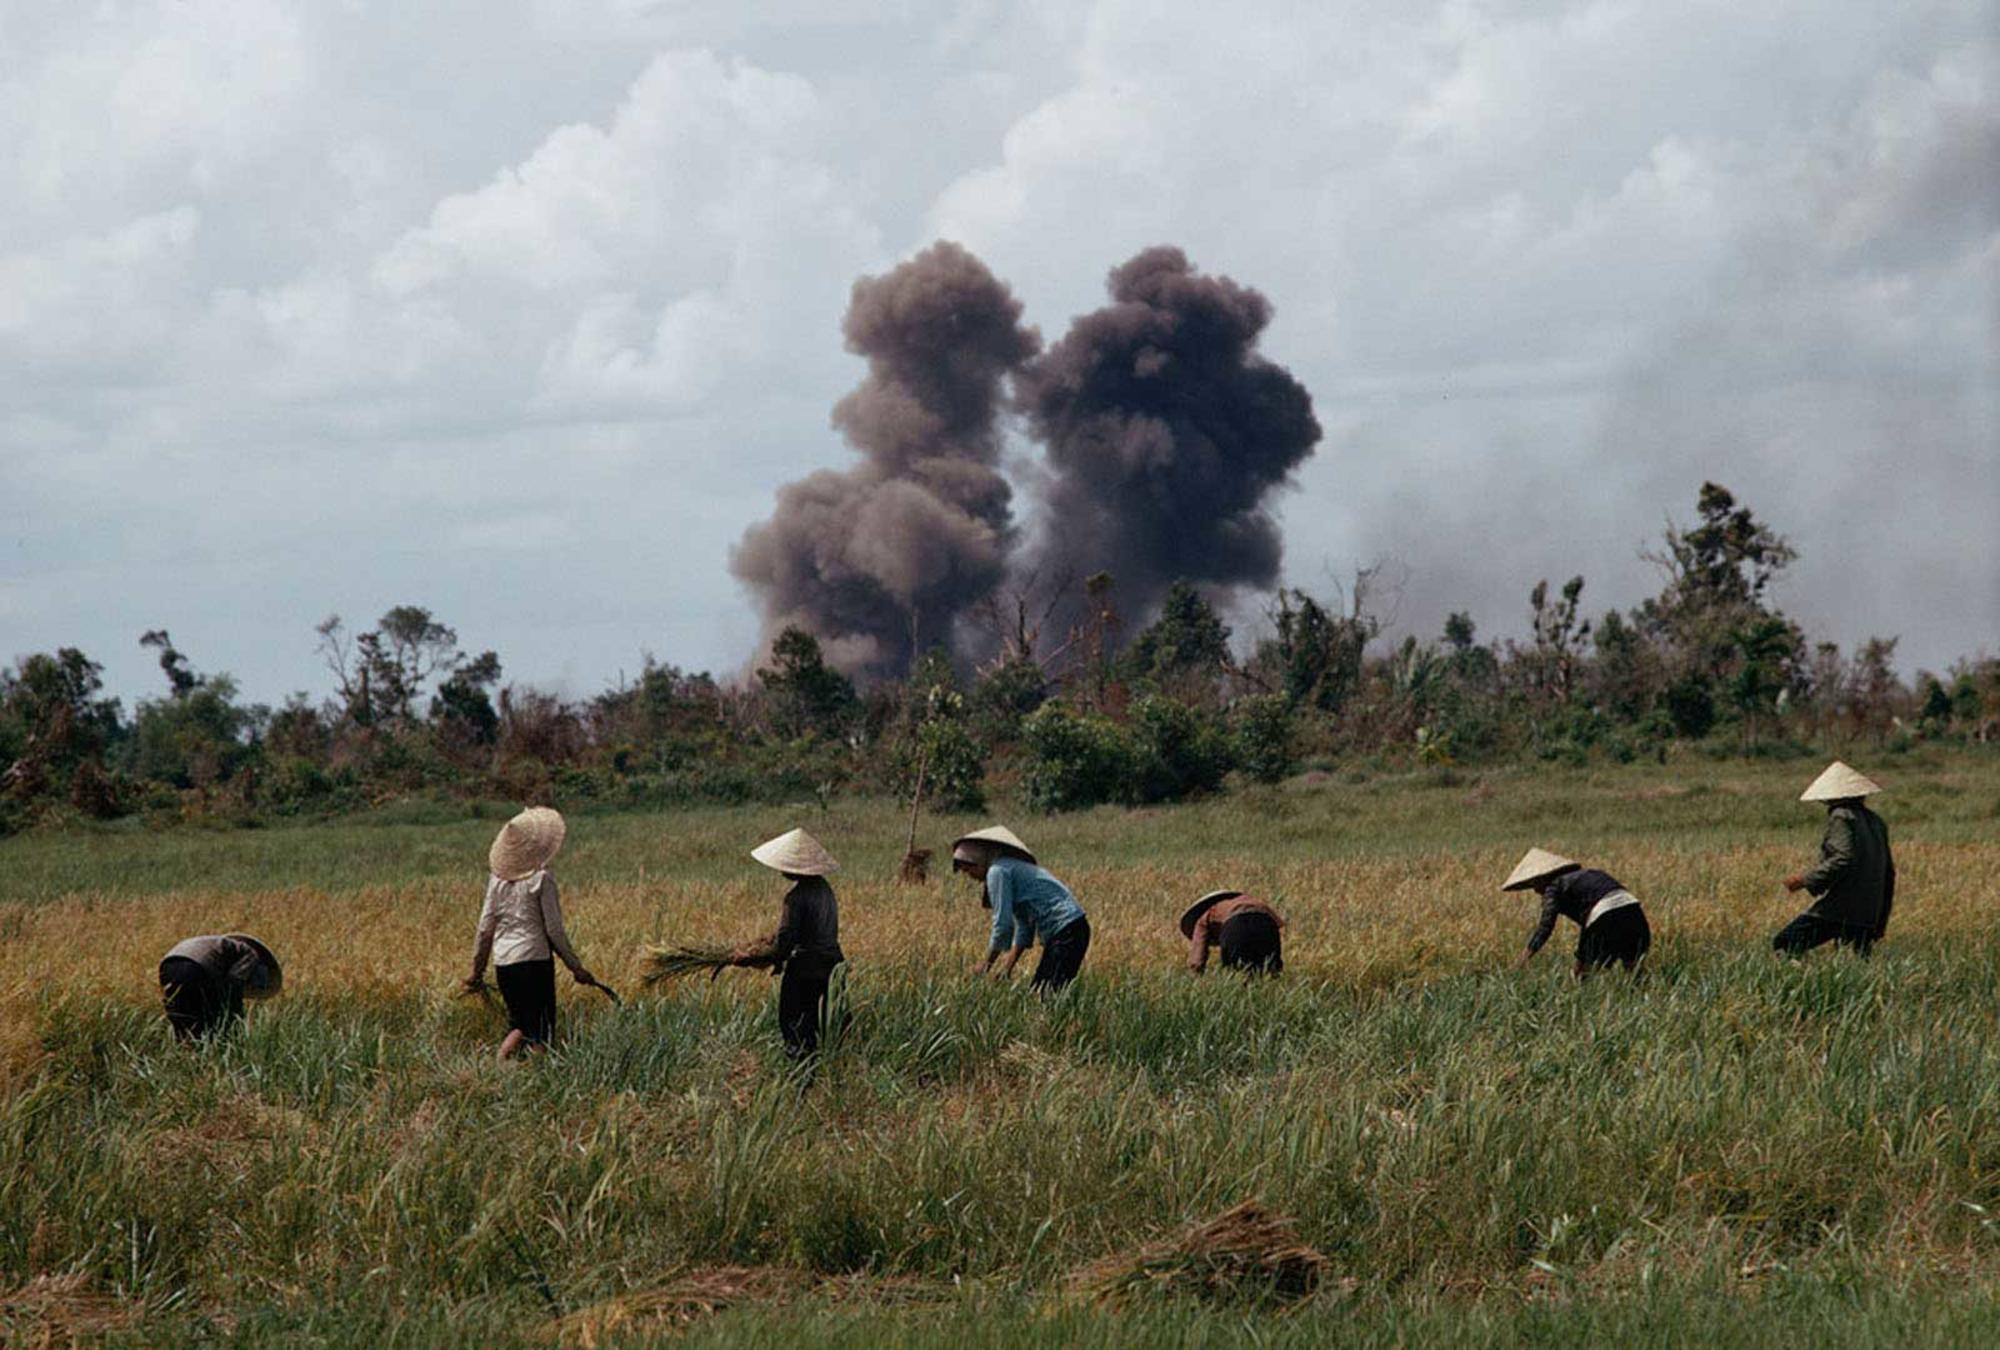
[1245,1254]
[665,962]
[677,1301]
[61,1310]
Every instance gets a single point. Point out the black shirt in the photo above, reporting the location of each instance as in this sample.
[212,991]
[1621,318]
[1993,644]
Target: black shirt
[809,934]
[1572,895]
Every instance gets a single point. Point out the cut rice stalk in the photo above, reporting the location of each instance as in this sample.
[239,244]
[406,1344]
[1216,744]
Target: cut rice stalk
[665,962]
[1246,1254]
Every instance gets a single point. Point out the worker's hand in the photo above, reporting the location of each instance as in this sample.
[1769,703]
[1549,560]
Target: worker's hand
[584,978]
[474,984]
[1796,881]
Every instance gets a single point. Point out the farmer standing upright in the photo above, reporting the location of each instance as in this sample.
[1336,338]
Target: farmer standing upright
[806,947]
[1027,902]
[1854,883]
[1611,925]
[521,928]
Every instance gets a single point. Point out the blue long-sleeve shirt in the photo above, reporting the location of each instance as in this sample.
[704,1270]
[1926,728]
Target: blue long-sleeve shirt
[1027,901]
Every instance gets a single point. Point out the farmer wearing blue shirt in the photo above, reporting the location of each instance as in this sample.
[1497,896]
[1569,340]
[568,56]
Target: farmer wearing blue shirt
[1027,903]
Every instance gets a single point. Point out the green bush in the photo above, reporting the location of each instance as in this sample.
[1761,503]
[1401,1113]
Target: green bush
[1267,743]
[1075,760]
[954,765]
[1691,705]
[1005,696]
[1182,750]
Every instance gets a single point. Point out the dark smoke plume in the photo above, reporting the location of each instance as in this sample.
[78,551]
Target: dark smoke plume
[880,561]
[1166,434]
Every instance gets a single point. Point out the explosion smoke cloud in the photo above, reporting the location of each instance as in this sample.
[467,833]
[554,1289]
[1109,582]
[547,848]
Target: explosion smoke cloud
[1166,434]
[880,561]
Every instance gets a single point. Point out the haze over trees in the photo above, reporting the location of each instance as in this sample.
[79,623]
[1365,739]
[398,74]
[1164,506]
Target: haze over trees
[1104,705]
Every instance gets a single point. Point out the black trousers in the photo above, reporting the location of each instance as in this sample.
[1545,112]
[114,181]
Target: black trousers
[1062,956]
[1253,943]
[197,1001]
[802,1007]
[1619,938]
[1810,930]
[528,988]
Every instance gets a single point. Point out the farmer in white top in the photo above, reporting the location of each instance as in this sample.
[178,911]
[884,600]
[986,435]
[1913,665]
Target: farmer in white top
[520,926]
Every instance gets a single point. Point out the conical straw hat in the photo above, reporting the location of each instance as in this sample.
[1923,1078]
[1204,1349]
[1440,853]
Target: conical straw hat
[995,834]
[1839,783]
[526,843]
[796,854]
[1202,906]
[273,981]
[1538,864]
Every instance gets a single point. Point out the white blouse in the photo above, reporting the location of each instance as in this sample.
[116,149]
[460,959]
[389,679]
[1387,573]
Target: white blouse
[522,920]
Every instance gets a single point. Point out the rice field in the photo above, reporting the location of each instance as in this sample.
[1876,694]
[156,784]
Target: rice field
[1736,1151]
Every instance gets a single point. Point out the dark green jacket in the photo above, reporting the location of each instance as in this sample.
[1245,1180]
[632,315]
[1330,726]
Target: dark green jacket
[1855,882]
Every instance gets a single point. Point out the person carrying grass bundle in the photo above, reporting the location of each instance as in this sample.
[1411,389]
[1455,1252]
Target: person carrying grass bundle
[1026,902]
[1854,883]
[806,947]
[204,980]
[1611,925]
[521,929]
[1249,932]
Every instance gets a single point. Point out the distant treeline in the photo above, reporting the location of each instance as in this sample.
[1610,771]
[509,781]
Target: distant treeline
[1099,715]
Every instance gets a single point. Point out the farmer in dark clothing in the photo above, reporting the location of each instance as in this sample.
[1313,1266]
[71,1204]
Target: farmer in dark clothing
[204,980]
[1248,931]
[1611,924]
[1854,885]
[806,947]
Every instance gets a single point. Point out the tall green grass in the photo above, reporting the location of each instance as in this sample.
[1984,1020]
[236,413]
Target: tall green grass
[1836,1120]
[1735,1149]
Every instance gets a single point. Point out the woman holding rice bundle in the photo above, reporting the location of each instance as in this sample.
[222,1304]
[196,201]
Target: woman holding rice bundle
[204,980]
[806,946]
[1026,902]
[1611,926]
[521,929]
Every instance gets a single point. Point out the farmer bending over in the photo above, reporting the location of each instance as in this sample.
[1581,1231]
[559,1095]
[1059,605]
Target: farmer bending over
[521,925]
[1854,885]
[806,947]
[204,980]
[1248,931]
[1026,902]
[1611,925]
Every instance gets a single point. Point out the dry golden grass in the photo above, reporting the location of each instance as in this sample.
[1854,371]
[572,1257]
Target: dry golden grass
[1434,1127]
[1355,921]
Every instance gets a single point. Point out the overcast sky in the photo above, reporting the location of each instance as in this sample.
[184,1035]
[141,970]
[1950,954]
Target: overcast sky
[522,311]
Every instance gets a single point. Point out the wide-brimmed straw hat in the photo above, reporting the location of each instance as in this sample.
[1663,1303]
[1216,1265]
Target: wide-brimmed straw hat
[997,835]
[273,981]
[1839,783]
[527,843]
[1193,913]
[1538,865]
[796,854]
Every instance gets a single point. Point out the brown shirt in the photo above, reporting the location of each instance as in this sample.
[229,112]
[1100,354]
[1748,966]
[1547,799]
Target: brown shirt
[1209,926]
[230,957]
